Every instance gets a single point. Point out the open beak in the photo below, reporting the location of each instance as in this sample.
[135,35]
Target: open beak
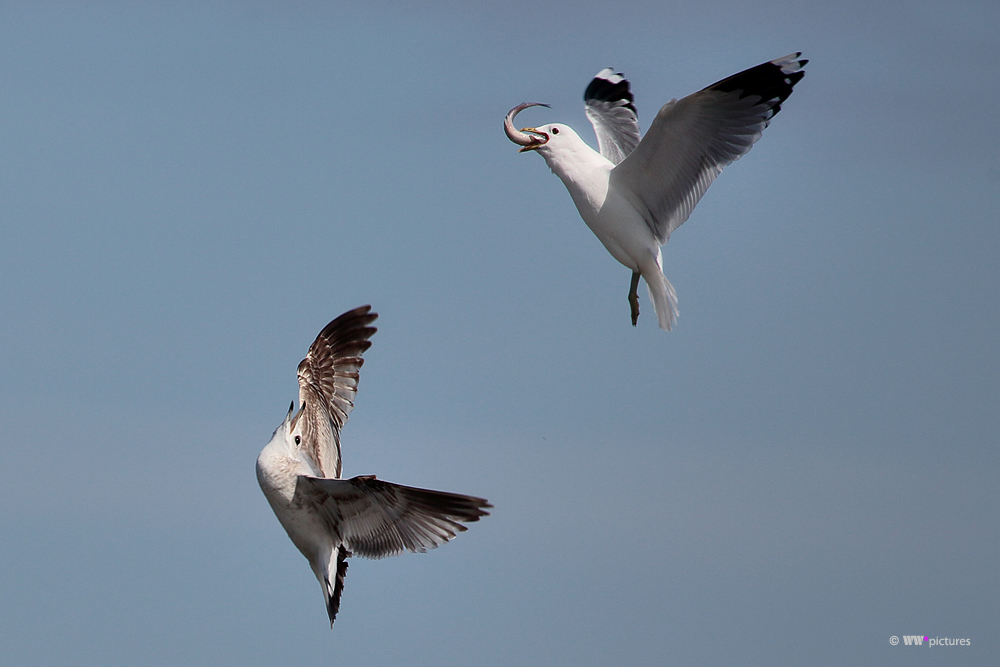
[528,138]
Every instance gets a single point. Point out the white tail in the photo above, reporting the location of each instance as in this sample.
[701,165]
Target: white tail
[663,297]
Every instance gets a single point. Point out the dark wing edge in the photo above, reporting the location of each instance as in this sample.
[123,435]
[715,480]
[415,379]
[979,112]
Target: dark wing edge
[611,110]
[330,371]
[691,140]
[376,518]
[772,82]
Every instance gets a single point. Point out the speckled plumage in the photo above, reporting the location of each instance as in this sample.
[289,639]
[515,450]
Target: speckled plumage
[330,519]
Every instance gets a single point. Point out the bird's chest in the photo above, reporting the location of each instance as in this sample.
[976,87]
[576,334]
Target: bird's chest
[589,192]
[621,229]
[277,476]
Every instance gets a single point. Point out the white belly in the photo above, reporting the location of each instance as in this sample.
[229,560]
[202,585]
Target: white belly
[307,530]
[623,232]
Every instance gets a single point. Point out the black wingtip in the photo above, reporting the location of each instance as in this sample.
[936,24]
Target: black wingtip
[611,87]
[354,326]
[771,81]
[353,317]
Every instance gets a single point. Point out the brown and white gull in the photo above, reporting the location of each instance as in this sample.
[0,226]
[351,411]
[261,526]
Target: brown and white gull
[328,518]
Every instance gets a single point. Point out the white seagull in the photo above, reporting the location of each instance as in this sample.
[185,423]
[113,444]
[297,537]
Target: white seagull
[635,192]
[328,518]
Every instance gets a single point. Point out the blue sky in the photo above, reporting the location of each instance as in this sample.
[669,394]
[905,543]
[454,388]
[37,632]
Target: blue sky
[803,468]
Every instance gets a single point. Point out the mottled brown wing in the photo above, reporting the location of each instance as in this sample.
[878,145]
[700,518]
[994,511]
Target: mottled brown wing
[328,382]
[377,519]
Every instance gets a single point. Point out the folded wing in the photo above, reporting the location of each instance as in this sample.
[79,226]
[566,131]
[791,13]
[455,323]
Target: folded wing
[377,519]
[691,140]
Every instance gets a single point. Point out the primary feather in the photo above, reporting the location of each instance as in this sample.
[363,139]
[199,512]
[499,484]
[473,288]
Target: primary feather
[635,192]
[330,519]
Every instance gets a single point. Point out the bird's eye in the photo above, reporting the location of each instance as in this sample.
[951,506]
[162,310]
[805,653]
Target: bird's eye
[555,130]
[298,440]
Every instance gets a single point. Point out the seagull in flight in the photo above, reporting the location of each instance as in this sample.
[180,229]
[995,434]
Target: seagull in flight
[636,191]
[328,518]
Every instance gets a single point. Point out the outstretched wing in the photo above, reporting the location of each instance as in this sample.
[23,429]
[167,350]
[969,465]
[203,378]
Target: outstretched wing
[328,382]
[377,519]
[610,109]
[691,140]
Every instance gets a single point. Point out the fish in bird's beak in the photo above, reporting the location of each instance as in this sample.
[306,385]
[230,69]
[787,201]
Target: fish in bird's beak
[528,138]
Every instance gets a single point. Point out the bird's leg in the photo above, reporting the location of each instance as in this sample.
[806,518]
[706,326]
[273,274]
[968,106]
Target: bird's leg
[633,297]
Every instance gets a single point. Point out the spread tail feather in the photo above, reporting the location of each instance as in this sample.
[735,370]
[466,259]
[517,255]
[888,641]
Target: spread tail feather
[663,297]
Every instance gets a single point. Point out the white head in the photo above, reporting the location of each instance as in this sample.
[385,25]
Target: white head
[282,460]
[554,137]
[285,440]
[544,139]
[559,144]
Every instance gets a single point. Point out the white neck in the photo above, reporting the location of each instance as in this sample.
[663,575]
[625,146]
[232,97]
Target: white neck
[584,171]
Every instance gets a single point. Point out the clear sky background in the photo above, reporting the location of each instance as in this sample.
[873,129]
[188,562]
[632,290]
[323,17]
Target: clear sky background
[805,467]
